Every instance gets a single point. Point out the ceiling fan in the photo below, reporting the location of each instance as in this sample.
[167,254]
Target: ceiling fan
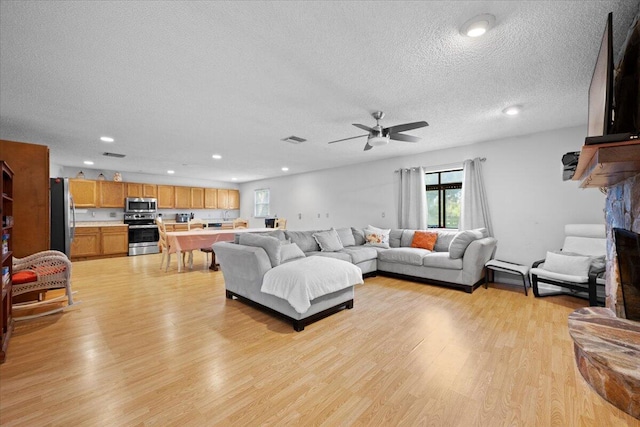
[380,136]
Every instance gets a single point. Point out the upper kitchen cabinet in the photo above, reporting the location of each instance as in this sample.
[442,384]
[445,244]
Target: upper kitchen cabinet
[142,190]
[197,198]
[210,198]
[234,199]
[223,198]
[84,192]
[183,197]
[228,199]
[166,197]
[111,194]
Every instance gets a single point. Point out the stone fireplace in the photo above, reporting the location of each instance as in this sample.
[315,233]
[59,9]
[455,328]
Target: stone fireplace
[622,210]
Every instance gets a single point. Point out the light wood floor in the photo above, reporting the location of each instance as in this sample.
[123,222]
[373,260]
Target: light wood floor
[147,347]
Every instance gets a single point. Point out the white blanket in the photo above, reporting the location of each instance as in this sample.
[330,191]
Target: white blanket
[303,280]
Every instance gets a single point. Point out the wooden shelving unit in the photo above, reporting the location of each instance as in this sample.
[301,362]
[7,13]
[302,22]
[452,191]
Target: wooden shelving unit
[605,165]
[6,210]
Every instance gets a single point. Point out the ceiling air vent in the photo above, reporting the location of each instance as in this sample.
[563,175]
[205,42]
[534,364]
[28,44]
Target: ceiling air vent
[294,139]
[113,155]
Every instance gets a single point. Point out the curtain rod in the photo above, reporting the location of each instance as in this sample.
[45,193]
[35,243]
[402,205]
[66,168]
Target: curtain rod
[437,167]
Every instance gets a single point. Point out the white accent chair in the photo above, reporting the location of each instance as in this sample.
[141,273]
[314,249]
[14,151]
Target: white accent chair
[578,269]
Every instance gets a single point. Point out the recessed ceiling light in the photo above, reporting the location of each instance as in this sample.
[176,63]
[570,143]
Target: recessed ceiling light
[88,162]
[217,156]
[478,25]
[285,169]
[171,172]
[513,110]
[106,139]
[234,179]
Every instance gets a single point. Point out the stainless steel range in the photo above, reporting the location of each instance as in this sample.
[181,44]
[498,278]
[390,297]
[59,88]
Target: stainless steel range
[143,233]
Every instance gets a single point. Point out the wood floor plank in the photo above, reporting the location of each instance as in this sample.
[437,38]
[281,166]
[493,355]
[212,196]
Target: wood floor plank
[147,347]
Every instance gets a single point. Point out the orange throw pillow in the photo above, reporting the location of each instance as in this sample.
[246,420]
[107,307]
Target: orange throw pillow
[424,240]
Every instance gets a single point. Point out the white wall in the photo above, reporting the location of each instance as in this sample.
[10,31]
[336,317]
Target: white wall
[529,202]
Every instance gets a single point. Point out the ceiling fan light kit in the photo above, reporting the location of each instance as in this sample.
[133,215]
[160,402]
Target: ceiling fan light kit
[478,25]
[380,136]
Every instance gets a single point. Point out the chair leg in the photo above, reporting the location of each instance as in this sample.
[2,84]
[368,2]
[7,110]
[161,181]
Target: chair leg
[162,259]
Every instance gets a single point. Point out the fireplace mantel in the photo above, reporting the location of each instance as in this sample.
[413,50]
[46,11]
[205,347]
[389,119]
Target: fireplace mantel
[605,165]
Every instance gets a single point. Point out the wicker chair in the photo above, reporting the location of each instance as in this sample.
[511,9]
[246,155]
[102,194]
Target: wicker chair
[42,271]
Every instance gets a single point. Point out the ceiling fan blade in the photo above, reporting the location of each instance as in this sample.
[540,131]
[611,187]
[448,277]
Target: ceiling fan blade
[406,127]
[368,147]
[346,139]
[363,127]
[402,137]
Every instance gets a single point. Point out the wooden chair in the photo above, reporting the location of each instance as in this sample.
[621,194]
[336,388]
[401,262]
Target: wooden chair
[240,223]
[197,223]
[280,223]
[164,245]
[42,271]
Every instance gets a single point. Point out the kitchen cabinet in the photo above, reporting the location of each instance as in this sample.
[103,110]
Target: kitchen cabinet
[96,242]
[210,198]
[197,198]
[86,242]
[114,240]
[223,198]
[111,194]
[142,190]
[183,197]
[84,192]
[166,196]
[234,199]
[176,226]
[6,254]
[228,199]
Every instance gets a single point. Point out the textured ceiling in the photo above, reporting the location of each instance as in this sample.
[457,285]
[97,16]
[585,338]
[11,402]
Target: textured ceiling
[175,82]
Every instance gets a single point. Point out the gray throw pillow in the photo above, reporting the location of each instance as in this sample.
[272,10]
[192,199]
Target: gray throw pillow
[290,252]
[395,237]
[358,235]
[304,239]
[328,240]
[271,245]
[346,236]
[460,242]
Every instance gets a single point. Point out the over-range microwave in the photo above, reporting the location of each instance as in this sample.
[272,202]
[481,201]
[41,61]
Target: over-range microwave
[140,204]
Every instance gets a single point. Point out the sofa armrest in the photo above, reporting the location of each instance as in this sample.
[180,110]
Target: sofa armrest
[243,267]
[476,256]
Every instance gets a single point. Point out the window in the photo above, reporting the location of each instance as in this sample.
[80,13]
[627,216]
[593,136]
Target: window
[444,191]
[261,203]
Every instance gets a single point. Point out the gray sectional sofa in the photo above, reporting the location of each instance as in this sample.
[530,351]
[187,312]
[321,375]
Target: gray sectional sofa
[457,260]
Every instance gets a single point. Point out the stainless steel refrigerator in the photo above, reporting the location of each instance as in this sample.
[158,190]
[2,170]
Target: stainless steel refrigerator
[63,215]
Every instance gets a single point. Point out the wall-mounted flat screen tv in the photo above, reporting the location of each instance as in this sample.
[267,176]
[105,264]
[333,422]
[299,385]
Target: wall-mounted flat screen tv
[601,87]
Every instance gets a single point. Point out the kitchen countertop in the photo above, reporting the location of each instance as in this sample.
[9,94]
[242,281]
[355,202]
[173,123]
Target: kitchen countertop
[100,224]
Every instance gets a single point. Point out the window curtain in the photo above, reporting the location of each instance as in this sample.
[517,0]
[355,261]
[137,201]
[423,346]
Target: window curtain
[412,212]
[474,210]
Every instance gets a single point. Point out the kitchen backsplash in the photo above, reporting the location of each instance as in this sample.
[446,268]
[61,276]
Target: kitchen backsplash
[102,214]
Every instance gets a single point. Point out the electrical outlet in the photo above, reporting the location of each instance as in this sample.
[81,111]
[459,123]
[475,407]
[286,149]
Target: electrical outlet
[112,214]
[93,214]
[299,216]
[382,214]
[318,215]
[327,215]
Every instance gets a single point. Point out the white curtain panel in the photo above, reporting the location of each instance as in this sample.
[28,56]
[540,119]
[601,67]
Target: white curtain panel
[412,212]
[474,210]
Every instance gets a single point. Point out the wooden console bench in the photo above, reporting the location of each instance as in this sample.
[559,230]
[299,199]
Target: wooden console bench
[607,350]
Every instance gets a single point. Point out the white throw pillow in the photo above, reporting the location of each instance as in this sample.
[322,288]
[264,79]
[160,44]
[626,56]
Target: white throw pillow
[329,241]
[376,236]
[573,265]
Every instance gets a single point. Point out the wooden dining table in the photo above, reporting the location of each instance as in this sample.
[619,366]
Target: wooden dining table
[182,241]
